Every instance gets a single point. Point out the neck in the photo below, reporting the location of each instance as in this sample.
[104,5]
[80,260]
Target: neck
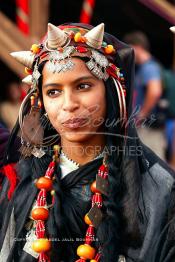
[85,151]
[144,57]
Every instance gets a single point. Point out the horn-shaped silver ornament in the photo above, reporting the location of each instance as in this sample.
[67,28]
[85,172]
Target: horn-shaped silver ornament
[24,57]
[56,37]
[27,80]
[94,37]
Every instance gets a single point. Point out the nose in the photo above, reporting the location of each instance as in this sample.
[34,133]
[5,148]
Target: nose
[70,101]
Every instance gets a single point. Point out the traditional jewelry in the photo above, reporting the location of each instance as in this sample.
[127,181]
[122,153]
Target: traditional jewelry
[41,244]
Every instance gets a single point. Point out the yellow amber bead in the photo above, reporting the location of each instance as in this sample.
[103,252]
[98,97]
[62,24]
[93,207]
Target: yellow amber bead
[41,245]
[93,260]
[44,183]
[52,192]
[86,251]
[56,147]
[35,49]
[109,49]
[28,71]
[77,37]
[87,220]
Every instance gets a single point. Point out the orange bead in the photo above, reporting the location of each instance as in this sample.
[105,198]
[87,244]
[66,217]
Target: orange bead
[87,220]
[83,39]
[40,213]
[32,100]
[60,49]
[77,37]
[41,245]
[28,71]
[86,251]
[94,189]
[44,183]
[109,49]
[93,260]
[35,48]
[39,103]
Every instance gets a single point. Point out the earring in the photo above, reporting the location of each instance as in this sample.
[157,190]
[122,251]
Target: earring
[32,132]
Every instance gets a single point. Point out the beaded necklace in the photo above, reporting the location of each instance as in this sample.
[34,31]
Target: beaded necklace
[42,245]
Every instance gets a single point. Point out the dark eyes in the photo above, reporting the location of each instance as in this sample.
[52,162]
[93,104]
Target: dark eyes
[55,92]
[84,86]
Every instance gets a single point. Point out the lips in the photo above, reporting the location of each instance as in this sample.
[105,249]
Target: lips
[75,123]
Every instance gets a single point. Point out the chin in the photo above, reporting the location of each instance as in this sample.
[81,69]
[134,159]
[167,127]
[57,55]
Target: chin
[76,136]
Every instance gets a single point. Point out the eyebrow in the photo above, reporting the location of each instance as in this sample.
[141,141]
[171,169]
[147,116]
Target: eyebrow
[73,82]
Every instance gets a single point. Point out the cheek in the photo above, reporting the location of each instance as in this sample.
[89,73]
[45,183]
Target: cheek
[97,106]
[52,108]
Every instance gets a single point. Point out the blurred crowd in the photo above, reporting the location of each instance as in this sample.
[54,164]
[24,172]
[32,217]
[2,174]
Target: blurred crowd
[153,100]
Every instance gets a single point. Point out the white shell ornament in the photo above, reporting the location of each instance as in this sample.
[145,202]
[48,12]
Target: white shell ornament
[56,37]
[94,37]
[172,28]
[24,57]
[27,80]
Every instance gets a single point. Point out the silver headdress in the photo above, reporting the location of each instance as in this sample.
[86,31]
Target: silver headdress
[61,44]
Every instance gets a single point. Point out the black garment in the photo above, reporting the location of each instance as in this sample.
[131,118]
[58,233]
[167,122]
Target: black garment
[76,203]
[4,134]
[155,201]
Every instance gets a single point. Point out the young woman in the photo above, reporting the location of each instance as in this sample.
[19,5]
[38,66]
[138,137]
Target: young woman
[88,189]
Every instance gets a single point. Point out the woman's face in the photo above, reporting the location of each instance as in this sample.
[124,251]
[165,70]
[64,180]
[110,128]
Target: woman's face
[74,101]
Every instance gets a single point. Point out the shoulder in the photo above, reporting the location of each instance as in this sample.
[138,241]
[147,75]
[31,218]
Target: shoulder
[158,184]
[161,175]
[151,66]
[151,70]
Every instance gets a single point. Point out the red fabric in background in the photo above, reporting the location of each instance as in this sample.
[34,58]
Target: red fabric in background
[85,16]
[22,12]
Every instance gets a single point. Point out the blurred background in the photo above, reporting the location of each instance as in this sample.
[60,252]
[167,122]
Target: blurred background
[24,22]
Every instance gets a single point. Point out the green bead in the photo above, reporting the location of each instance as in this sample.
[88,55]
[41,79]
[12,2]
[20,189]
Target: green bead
[104,44]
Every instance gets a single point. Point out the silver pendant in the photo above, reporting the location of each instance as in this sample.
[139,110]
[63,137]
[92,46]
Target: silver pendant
[38,152]
[30,238]
[121,259]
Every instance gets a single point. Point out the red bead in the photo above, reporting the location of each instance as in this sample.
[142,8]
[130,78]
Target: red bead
[124,91]
[113,66]
[103,171]
[90,235]
[82,49]
[97,199]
